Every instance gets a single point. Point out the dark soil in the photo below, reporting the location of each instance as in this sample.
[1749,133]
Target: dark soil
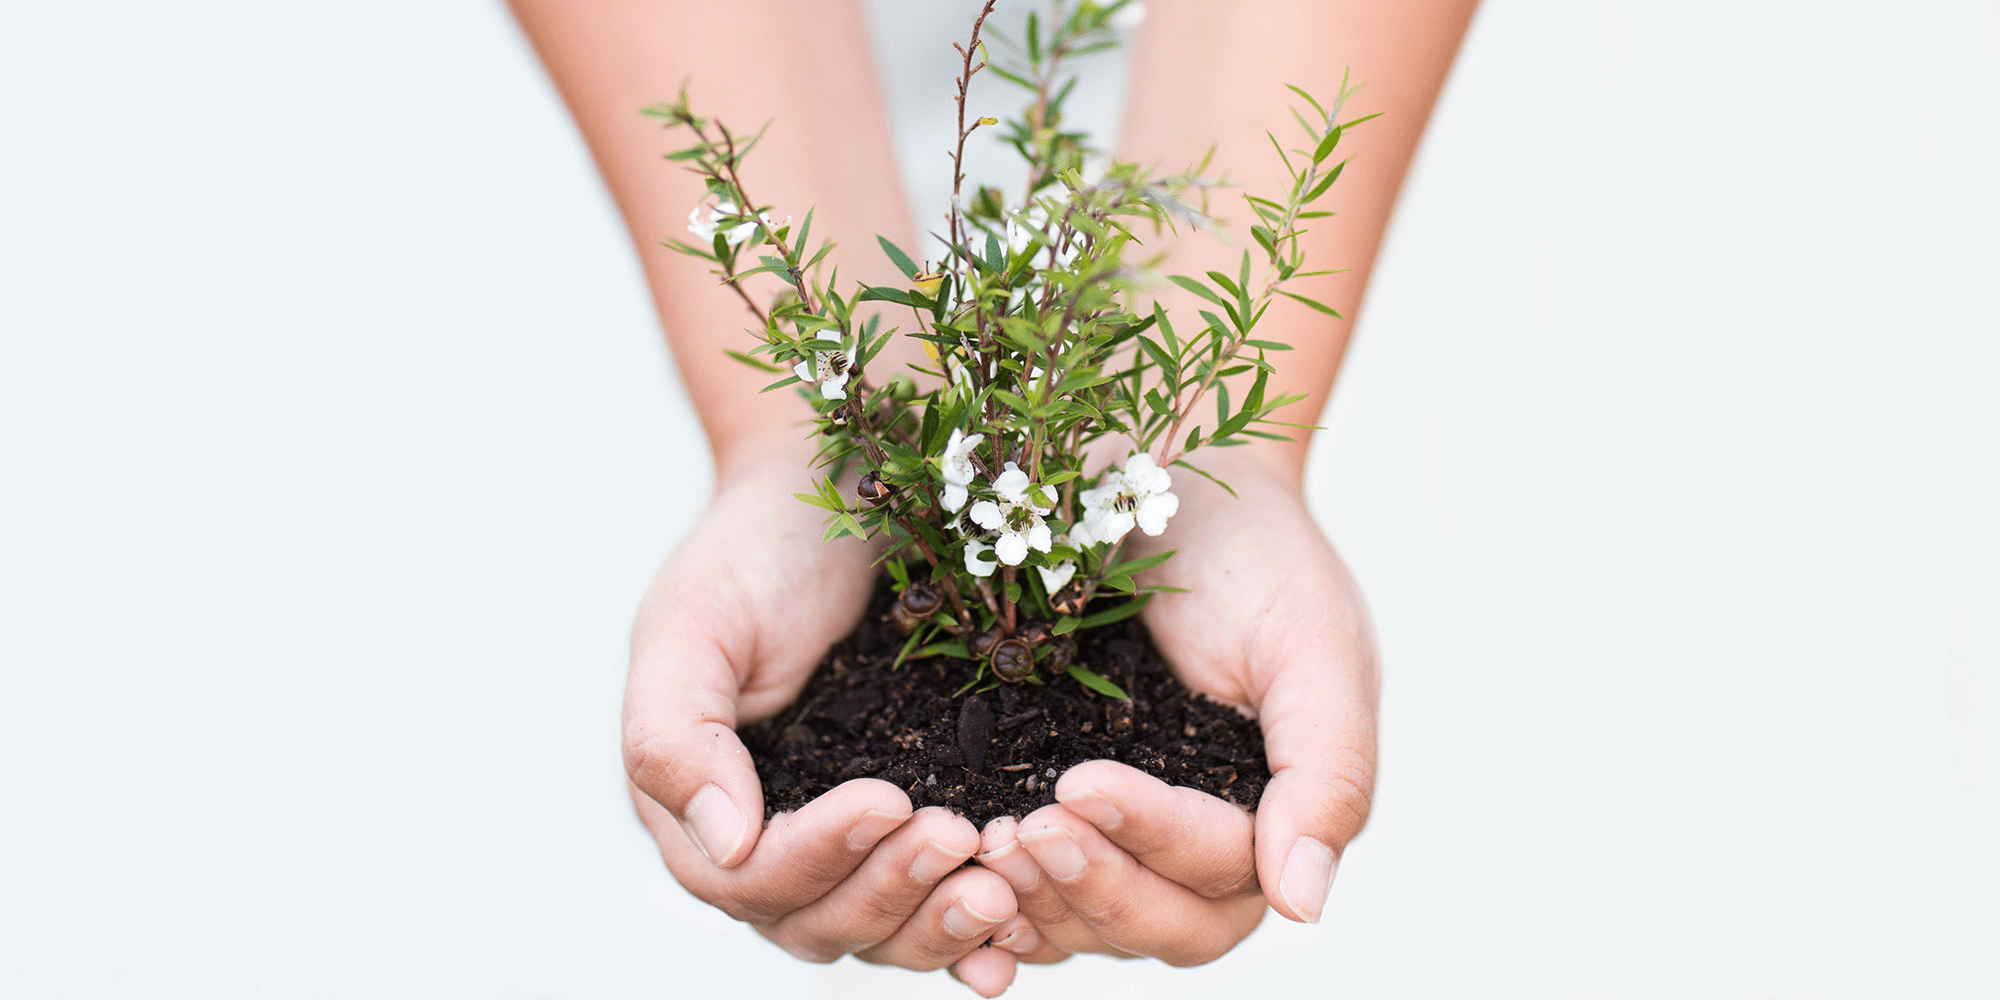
[996,753]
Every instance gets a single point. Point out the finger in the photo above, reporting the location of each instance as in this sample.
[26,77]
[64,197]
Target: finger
[956,918]
[1190,837]
[1128,905]
[1001,852]
[1319,735]
[1019,937]
[800,857]
[875,901]
[988,971]
[680,734]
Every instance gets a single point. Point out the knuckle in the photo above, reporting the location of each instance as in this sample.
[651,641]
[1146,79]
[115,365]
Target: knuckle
[649,757]
[1348,787]
[803,949]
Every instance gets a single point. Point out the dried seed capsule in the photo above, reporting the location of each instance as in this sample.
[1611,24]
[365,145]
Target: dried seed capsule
[1013,660]
[1034,633]
[1068,601]
[982,643]
[1059,653]
[920,599]
[873,490]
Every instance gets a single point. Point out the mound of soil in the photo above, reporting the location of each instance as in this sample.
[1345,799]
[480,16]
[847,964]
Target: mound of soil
[997,753]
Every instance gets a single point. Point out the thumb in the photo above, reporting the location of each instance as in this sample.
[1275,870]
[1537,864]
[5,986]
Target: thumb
[680,740]
[1318,718]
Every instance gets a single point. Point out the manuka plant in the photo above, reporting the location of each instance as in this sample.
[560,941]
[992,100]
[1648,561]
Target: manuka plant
[1044,347]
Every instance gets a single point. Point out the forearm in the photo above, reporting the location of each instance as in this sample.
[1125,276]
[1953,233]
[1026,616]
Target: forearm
[747,62]
[1199,65]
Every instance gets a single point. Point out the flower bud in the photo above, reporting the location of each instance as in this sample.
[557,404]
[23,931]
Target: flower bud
[903,388]
[1013,661]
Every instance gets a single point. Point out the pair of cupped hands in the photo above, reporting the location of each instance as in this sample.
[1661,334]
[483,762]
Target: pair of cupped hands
[1122,864]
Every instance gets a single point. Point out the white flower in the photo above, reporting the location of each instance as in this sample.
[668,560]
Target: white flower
[976,562]
[1054,577]
[1017,516]
[958,468]
[835,367]
[724,211]
[1136,496]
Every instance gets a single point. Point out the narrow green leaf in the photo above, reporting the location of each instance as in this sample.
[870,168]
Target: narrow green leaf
[1326,144]
[899,258]
[1118,613]
[1097,683]
[1321,306]
[1185,464]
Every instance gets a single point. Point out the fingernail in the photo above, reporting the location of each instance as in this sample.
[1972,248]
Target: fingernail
[714,823]
[1056,850]
[1014,865]
[1020,940]
[962,921]
[933,863]
[872,827]
[1308,878]
[1097,809]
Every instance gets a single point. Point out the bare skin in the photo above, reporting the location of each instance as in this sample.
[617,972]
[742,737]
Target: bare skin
[744,607]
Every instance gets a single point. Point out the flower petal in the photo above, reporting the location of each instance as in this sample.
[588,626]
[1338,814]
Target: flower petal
[1038,535]
[976,562]
[1012,484]
[1011,547]
[954,496]
[986,514]
[1116,525]
[1054,577]
[835,387]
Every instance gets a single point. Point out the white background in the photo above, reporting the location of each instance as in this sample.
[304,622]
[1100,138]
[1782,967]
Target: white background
[336,441]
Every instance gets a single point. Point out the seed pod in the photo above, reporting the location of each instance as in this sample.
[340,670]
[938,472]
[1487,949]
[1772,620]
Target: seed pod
[873,490]
[1034,633]
[1013,660]
[1068,601]
[982,643]
[1059,653]
[920,599]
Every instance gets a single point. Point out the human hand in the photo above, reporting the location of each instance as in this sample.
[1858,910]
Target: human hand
[728,633]
[1125,864]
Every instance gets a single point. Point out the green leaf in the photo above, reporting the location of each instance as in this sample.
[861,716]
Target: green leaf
[1268,345]
[1200,289]
[1185,464]
[955,648]
[902,260]
[1326,144]
[881,293]
[1097,683]
[753,362]
[1321,306]
[1065,625]
[1133,567]
[1309,99]
[1116,614]
[1326,182]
